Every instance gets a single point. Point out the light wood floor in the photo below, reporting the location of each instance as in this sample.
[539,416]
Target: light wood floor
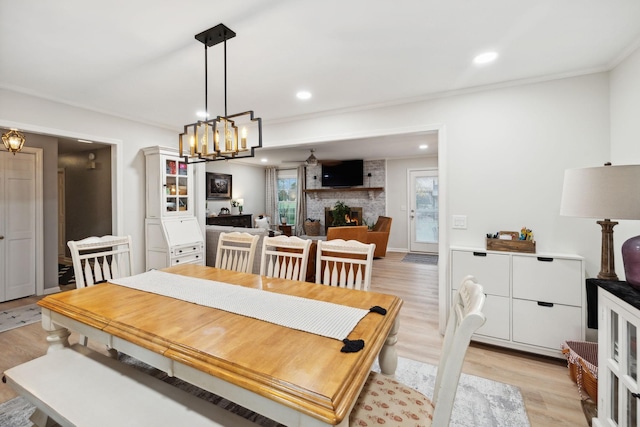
[550,397]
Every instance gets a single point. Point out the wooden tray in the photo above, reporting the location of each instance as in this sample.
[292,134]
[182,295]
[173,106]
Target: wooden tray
[528,246]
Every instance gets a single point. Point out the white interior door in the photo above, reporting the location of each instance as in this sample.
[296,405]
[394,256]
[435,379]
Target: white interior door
[423,212]
[17,225]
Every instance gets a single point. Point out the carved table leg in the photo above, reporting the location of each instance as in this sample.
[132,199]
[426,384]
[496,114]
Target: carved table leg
[388,357]
[57,336]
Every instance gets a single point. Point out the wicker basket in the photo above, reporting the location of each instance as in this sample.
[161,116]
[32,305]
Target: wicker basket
[582,360]
[312,228]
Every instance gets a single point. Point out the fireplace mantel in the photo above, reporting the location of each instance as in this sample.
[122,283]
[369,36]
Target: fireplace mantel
[370,190]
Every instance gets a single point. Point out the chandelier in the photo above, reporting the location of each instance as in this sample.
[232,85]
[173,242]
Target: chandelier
[13,141]
[225,137]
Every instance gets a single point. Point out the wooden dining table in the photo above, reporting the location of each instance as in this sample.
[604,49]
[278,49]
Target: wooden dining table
[294,377]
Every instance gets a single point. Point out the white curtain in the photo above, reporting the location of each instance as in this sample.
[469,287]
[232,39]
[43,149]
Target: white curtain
[271,194]
[301,200]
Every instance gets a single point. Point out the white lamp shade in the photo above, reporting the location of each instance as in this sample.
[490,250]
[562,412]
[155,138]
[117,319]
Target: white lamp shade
[605,192]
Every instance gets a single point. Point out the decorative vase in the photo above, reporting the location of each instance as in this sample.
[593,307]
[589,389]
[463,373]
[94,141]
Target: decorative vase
[234,210]
[631,261]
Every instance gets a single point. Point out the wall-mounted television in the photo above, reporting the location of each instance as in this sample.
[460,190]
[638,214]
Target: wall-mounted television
[345,173]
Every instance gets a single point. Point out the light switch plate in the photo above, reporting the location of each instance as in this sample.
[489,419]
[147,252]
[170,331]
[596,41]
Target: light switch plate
[459,222]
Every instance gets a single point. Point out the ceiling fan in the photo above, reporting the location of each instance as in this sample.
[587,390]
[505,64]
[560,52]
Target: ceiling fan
[312,160]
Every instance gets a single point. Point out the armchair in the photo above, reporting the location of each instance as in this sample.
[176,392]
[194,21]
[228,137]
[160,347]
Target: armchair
[380,235]
[349,232]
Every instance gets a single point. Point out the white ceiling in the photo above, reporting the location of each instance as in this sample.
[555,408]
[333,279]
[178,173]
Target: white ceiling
[139,59]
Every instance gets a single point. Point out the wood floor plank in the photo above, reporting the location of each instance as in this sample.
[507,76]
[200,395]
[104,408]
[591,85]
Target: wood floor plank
[550,397]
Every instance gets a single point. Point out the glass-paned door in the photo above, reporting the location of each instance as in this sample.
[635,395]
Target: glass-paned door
[423,212]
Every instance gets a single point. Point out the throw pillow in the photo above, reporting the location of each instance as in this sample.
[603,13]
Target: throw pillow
[262,223]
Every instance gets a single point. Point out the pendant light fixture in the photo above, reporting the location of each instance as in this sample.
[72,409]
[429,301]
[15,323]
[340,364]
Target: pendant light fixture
[227,136]
[13,141]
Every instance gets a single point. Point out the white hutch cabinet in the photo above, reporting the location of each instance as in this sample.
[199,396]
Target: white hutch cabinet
[618,324]
[172,233]
[534,302]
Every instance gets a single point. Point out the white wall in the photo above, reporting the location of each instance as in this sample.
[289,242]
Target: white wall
[625,135]
[247,184]
[503,155]
[38,115]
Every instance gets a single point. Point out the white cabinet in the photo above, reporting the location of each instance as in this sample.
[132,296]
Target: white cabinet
[618,323]
[534,301]
[172,233]
[169,184]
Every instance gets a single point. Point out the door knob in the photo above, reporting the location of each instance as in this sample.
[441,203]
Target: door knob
[1,237]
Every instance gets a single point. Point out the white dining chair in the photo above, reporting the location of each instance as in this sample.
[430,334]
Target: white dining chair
[285,257]
[383,398]
[99,259]
[236,251]
[344,263]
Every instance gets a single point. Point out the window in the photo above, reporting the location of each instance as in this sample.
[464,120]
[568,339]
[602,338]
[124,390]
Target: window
[287,194]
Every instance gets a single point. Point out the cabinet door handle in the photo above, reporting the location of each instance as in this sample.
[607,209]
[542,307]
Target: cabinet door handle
[479,254]
[545,259]
[545,304]
[636,395]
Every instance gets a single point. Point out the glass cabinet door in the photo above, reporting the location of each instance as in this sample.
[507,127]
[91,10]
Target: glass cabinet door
[176,186]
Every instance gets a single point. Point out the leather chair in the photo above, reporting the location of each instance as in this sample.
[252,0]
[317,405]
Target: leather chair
[348,232]
[379,235]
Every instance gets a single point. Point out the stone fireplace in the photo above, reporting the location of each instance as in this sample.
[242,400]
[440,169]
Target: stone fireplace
[355,217]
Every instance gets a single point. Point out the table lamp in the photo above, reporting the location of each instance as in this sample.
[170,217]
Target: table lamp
[609,192]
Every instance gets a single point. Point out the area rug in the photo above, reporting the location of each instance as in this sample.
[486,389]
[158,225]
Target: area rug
[20,316]
[65,275]
[417,258]
[479,402]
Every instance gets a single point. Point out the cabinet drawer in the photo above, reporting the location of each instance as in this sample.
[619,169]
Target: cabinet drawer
[496,310]
[194,258]
[490,270]
[178,251]
[545,326]
[557,280]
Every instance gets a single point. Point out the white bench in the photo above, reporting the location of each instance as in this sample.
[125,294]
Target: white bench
[79,387]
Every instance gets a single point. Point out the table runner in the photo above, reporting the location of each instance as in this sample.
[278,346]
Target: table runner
[317,317]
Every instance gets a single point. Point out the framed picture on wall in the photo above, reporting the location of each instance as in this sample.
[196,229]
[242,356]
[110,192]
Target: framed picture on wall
[218,186]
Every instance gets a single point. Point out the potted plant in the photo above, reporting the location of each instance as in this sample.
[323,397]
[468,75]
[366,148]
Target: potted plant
[235,207]
[283,215]
[340,213]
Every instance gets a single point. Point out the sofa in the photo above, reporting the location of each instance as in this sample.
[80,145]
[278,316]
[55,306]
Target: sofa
[213,235]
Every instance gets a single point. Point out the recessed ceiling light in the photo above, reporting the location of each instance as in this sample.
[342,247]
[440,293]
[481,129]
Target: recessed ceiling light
[85,141]
[303,94]
[485,58]
[264,160]
[202,114]
[423,146]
